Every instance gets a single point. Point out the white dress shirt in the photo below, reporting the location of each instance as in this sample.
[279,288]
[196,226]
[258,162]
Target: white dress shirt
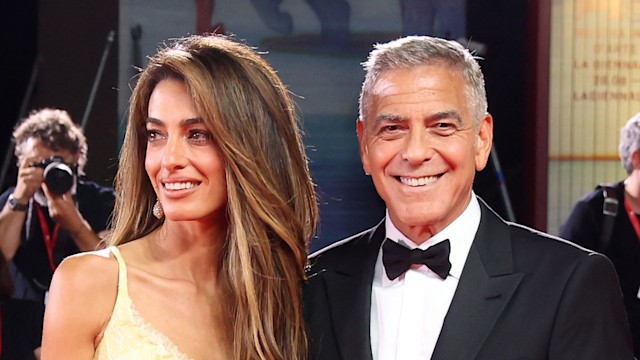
[407,313]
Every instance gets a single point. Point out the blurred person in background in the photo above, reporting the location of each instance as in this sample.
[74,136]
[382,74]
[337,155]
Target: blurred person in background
[612,227]
[6,290]
[44,219]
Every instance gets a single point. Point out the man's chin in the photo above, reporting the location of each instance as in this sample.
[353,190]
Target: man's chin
[419,222]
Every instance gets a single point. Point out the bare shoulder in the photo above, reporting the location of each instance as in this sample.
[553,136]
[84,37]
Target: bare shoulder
[81,299]
[87,280]
[88,270]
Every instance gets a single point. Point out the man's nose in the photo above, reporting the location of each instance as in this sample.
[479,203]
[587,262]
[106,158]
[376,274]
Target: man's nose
[416,148]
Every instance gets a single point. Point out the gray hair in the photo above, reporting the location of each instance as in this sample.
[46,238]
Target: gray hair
[413,51]
[56,130]
[629,141]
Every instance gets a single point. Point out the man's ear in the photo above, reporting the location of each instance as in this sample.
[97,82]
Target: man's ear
[635,159]
[362,146]
[484,141]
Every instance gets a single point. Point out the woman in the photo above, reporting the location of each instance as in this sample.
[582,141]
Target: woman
[209,245]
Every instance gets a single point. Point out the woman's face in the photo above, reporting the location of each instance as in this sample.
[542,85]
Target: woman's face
[183,162]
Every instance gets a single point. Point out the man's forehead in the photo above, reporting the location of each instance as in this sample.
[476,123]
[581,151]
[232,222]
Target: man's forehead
[423,78]
[33,146]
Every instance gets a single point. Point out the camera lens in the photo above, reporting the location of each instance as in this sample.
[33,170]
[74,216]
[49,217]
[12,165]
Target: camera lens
[59,177]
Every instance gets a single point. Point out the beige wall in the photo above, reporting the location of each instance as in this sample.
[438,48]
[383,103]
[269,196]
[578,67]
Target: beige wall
[594,89]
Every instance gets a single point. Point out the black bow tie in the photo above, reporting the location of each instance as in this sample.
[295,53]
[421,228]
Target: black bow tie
[397,259]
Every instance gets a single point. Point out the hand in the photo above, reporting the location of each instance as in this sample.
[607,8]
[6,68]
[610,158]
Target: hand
[63,210]
[30,178]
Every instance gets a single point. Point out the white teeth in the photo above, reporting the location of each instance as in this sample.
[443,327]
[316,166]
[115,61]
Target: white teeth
[179,185]
[418,181]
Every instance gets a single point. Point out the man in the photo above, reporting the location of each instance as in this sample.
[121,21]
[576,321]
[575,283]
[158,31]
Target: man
[491,289]
[617,233]
[44,221]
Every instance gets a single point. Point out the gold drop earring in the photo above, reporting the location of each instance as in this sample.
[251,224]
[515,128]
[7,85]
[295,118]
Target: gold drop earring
[157,210]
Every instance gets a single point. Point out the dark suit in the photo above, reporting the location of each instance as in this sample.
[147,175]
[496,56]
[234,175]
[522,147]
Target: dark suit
[584,226]
[522,295]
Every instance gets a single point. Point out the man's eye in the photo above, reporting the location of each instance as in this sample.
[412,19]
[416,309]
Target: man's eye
[444,125]
[390,128]
[445,128]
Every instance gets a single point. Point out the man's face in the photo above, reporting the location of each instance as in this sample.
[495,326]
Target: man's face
[421,149]
[34,151]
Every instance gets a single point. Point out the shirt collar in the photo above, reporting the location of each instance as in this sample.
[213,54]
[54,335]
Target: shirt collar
[460,233]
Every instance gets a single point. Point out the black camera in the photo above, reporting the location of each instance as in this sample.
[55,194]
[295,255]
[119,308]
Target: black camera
[57,175]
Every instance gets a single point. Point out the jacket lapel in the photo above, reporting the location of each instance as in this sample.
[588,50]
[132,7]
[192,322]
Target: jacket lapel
[349,296]
[486,285]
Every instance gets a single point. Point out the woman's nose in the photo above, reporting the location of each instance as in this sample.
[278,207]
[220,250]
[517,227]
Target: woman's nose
[174,153]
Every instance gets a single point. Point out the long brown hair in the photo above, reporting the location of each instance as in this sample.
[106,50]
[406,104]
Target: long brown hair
[272,210]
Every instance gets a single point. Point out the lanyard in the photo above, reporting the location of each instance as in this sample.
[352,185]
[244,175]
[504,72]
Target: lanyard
[49,239]
[633,218]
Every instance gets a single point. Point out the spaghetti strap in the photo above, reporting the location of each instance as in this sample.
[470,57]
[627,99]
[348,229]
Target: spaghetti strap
[127,335]
[122,274]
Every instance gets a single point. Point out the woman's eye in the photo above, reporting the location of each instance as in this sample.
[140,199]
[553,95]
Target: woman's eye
[153,135]
[200,136]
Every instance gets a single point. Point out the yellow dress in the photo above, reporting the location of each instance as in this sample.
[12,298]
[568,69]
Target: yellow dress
[128,335]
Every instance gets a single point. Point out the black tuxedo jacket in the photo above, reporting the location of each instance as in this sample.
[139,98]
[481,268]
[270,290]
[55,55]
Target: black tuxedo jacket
[522,295]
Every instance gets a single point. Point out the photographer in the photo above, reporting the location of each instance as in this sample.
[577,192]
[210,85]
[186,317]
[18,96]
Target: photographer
[50,214]
[616,232]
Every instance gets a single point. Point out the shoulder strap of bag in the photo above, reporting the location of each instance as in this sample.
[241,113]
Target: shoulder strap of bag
[609,211]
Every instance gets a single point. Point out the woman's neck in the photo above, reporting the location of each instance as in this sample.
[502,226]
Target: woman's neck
[190,250]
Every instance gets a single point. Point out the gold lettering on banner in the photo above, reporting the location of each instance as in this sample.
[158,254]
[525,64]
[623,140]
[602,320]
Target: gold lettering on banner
[610,49]
[595,74]
[613,80]
[605,96]
[613,64]
[594,87]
